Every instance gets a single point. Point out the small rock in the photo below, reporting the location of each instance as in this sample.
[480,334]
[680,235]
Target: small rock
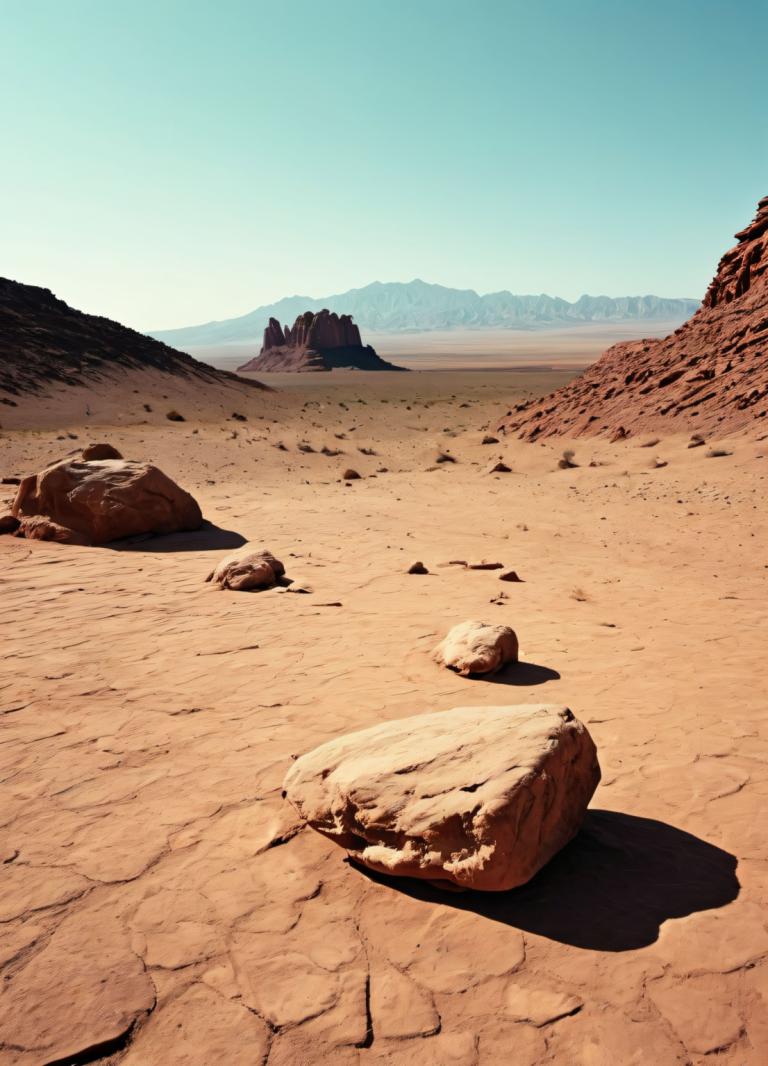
[10,481]
[483,565]
[477,648]
[350,475]
[509,575]
[417,568]
[100,451]
[488,439]
[39,527]
[445,457]
[499,468]
[246,570]
[9,523]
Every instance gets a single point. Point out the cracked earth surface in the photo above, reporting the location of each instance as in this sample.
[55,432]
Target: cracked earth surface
[162,904]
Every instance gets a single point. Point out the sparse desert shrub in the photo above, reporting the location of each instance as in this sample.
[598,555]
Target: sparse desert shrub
[567,463]
[174,416]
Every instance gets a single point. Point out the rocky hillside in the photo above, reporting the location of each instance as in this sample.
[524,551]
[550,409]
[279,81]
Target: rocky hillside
[317,341]
[709,375]
[418,306]
[44,342]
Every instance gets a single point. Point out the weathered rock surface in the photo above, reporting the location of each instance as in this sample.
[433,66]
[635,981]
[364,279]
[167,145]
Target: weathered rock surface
[104,500]
[319,340]
[711,373]
[477,648]
[246,569]
[479,796]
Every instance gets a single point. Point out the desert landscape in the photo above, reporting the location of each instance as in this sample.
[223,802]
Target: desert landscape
[164,898]
[383,534]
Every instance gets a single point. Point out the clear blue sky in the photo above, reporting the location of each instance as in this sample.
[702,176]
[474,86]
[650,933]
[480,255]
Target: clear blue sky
[169,162]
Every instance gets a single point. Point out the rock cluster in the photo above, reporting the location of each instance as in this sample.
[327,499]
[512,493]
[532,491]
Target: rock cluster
[481,797]
[320,340]
[711,374]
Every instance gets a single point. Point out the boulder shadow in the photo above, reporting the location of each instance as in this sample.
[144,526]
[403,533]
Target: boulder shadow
[610,889]
[521,674]
[207,538]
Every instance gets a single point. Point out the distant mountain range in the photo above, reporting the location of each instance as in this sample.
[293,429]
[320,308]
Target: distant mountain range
[416,306]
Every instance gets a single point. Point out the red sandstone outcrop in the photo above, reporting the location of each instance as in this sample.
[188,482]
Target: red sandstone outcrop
[481,797]
[709,375]
[94,502]
[319,340]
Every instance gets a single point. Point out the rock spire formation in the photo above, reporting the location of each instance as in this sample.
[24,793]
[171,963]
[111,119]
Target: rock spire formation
[319,340]
[710,375]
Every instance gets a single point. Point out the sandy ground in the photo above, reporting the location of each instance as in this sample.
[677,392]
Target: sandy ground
[495,349]
[161,904]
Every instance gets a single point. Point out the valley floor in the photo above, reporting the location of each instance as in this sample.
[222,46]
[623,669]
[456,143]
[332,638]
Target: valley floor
[161,904]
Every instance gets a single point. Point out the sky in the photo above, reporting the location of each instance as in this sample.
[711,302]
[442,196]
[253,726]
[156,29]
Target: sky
[167,163]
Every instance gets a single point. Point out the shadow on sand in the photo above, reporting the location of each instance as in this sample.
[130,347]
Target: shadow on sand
[521,674]
[610,889]
[207,538]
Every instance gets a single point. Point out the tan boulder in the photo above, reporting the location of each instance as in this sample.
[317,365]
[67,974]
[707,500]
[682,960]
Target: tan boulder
[477,648]
[108,499]
[481,797]
[246,569]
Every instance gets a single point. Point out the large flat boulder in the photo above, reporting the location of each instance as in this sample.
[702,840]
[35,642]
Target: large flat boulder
[479,796]
[103,500]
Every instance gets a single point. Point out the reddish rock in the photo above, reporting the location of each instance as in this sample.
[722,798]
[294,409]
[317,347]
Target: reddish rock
[101,501]
[712,373]
[319,340]
[9,523]
[100,451]
[481,797]
[246,570]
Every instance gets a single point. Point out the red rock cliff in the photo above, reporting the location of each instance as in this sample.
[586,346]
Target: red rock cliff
[709,375]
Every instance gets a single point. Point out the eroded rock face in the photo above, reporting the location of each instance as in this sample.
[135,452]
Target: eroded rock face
[711,374]
[246,570]
[477,648]
[481,797]
[319,340]
[106,500]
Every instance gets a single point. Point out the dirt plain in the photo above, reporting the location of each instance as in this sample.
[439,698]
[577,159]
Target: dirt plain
[162,904]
